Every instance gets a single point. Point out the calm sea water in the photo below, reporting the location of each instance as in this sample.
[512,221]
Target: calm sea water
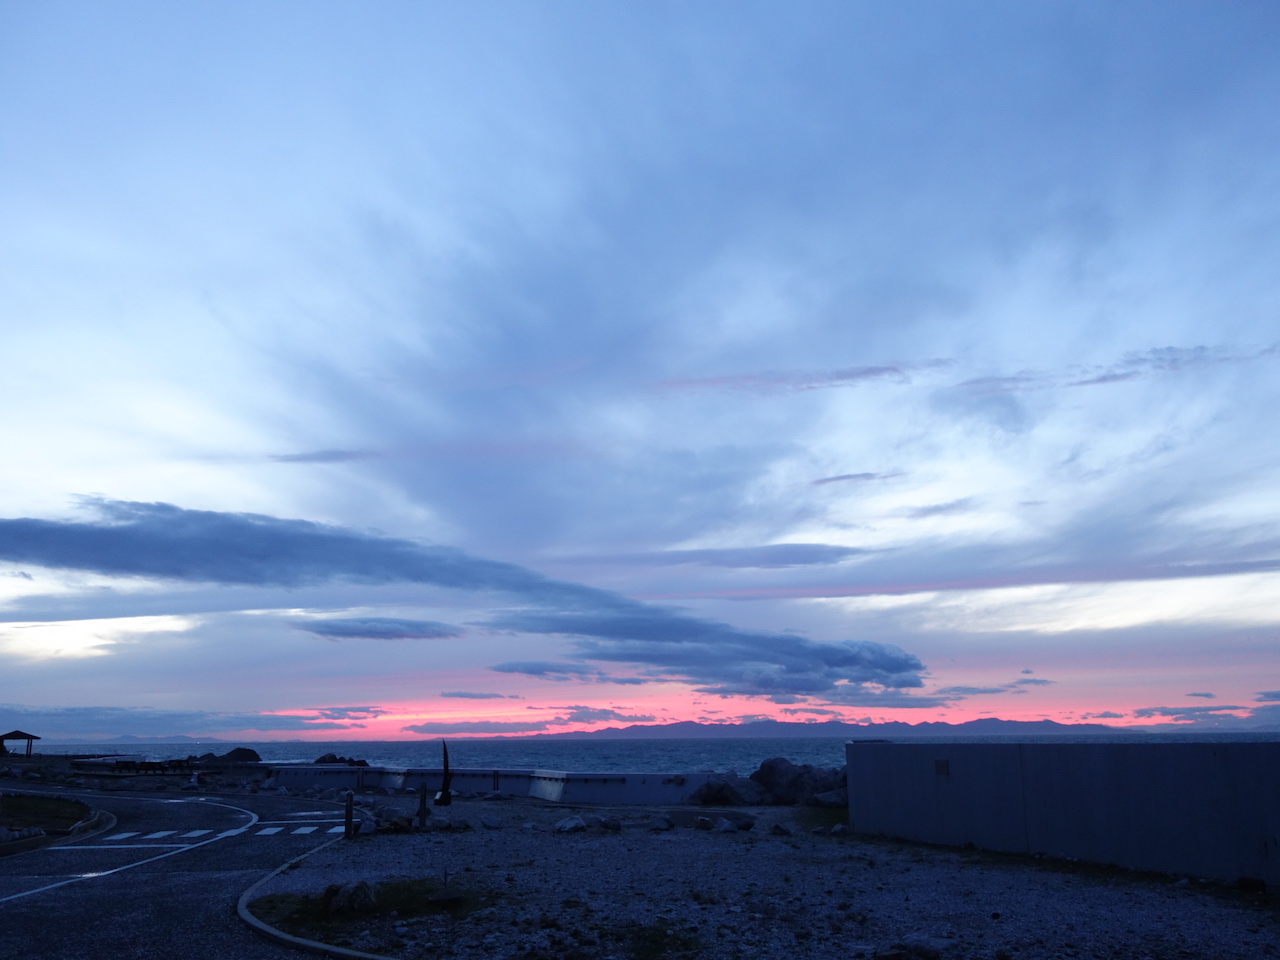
[630,756]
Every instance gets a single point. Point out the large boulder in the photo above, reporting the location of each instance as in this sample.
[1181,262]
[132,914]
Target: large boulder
[730,792]
[241,755]
[789,783]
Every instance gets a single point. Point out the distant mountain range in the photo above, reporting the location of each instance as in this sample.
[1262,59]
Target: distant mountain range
[778,729]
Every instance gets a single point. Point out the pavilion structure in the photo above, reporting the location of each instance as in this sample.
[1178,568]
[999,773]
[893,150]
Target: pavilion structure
[19,735]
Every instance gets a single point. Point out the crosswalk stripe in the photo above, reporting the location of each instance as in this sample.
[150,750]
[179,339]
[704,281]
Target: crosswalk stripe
[196,833]
[159,833]
[268,831]
[335,829]
[122,836]
[305,830]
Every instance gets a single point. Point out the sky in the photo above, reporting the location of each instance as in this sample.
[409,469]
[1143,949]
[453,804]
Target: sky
[418,369]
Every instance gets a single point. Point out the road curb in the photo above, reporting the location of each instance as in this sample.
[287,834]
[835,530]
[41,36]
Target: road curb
[288,939]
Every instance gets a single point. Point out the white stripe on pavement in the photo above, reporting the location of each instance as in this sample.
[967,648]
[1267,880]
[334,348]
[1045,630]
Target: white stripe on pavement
[123,836]
[196,833]
[305,830]
[268,831]
[335,829]
[159,833]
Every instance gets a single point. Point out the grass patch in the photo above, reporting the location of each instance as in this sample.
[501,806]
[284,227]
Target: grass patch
[51,813]
[305,915]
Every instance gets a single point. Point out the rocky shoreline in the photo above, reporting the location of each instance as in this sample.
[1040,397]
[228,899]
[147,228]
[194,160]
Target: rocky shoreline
[513,878]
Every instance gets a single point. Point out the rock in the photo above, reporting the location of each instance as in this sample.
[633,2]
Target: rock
[491,823]
[661,824]
[591,820]
[840,830]
[730,792]
[571,825]
[703,823]
[241,755]
[838,797]
[329,758]
[725,826]
[268,784]
[788,783]
[611,824]
[820,831]
[780,830]
[492,795]
[368,826]
[531,827]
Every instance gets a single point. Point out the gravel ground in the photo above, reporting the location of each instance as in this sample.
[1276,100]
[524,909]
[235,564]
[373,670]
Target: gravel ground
[637,892]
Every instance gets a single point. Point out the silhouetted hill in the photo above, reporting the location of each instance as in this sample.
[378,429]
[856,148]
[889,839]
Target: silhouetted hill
[771,729]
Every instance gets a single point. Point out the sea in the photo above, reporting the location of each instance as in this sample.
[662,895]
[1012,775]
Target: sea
[741,756]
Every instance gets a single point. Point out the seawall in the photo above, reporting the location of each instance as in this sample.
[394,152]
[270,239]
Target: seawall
[1208,810]
[556,785]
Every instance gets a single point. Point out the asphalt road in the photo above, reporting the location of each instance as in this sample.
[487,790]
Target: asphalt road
[163,883]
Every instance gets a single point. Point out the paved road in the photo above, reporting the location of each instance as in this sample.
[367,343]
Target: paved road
[162,884]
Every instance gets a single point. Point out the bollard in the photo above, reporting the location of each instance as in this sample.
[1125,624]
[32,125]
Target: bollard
[422,805]
[348,827]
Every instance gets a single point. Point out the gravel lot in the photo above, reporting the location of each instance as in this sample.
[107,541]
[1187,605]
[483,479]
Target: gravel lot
[638,892]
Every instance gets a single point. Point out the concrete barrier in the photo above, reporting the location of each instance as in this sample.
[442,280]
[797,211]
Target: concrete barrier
[555,785]
[1208,810]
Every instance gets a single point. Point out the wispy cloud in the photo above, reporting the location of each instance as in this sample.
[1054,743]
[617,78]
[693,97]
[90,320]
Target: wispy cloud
[770,556]
[464,695]
[349,713]
[160,540]
[963,505]
[573,715]
[379,628]
[1205,695]
[797,380]
[1268,696]
[853,478]
[325,456]
[477,726]
[107,722]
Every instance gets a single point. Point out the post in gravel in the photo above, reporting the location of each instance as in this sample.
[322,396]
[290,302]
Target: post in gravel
[348,825]
[423,813]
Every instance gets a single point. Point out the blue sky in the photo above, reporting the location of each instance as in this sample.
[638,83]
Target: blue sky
[385,371]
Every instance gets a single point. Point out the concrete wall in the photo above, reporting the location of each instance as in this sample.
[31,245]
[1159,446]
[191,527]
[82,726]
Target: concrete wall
[1209,810]
[556,785]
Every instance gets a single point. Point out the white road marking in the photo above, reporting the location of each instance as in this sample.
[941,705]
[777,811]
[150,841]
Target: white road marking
[159,833]
[268,831]
[338,829]
[122,836]
[305,830]
[196,833]
[181,848]
[119,846]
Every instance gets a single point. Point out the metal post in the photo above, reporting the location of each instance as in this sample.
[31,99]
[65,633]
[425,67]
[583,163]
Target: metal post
[422,805]
[348,825]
